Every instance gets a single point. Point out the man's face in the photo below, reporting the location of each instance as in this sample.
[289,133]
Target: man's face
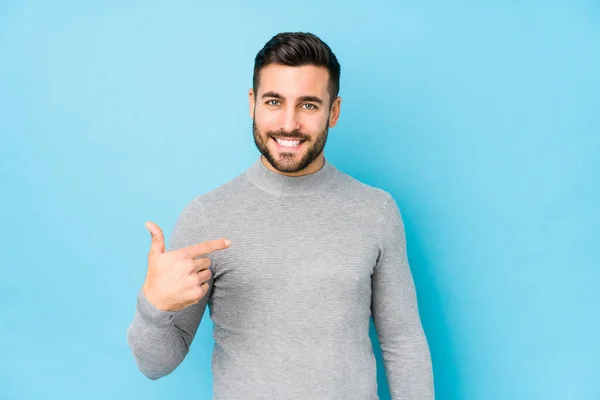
[292,103]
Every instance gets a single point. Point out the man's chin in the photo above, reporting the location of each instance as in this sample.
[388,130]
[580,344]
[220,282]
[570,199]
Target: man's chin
[287,164]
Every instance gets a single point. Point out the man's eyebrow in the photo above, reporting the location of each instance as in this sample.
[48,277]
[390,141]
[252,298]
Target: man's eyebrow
[272,94]
[313,99]
[276,95]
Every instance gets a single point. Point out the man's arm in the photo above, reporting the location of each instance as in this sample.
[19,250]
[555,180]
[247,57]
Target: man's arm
[160,340]
[404,347]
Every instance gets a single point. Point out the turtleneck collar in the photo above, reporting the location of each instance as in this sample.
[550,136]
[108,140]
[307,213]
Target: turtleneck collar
[283,185]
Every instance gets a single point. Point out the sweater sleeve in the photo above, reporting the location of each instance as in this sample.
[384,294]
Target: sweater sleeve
[160,340]
[404,347]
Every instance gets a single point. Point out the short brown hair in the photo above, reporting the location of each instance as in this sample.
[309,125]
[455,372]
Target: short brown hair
[296,49]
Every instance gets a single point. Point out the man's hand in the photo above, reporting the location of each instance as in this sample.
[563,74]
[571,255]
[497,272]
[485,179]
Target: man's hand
[175,280]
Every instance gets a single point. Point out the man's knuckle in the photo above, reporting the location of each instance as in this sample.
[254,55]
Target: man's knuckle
[204,275]
[204,262]
[183,253]
[197,293]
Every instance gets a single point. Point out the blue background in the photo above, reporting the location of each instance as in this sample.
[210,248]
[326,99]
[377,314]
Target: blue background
[480,118]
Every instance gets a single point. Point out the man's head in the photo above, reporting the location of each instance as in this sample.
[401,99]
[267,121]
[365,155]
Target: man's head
[295,96]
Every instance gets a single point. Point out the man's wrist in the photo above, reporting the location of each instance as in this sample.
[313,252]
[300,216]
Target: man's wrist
[150,312]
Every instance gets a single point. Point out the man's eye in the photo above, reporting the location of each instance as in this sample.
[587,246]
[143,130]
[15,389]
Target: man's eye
[310,106]
[272,102]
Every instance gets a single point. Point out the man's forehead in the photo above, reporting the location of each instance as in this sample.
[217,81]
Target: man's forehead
[294,81]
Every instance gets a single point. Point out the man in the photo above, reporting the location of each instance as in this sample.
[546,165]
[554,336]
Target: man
[313,254]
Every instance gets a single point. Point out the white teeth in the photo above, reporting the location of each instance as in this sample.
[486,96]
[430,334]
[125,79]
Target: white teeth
[288,143]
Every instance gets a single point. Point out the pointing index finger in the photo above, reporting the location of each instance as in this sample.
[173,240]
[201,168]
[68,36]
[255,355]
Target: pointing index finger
[204,248]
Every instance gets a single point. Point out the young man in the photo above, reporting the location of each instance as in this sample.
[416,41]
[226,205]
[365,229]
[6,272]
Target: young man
[313,254]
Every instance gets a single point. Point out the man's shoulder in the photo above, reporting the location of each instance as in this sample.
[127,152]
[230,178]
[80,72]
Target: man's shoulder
[230,190]
[352,187]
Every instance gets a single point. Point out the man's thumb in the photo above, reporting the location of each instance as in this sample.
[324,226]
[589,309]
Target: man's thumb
[158,239]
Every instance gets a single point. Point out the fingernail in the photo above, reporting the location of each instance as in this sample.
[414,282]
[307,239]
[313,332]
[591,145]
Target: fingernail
[227,242]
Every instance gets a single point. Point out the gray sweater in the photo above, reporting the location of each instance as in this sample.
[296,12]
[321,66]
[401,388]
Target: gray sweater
[312,259]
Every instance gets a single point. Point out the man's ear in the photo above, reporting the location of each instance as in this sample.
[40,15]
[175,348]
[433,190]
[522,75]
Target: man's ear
[334,115]
[251,102]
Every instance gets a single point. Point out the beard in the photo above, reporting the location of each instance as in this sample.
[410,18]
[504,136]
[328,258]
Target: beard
[292,161]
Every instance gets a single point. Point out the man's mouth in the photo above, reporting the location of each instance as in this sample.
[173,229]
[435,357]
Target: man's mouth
[289,143]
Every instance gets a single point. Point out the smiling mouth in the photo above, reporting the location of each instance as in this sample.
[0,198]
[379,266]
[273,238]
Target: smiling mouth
[289,143]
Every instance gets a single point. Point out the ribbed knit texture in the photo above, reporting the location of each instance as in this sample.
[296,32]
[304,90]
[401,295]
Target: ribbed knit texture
[312,259]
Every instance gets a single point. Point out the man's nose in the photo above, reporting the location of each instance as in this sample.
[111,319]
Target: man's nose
[288,120]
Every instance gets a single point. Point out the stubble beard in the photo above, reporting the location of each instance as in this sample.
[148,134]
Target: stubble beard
[290,162]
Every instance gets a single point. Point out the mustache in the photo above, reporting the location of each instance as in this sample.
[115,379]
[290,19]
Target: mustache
[295,134]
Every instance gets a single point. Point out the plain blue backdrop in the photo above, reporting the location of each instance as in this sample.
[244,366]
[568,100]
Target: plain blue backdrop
[480,118]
